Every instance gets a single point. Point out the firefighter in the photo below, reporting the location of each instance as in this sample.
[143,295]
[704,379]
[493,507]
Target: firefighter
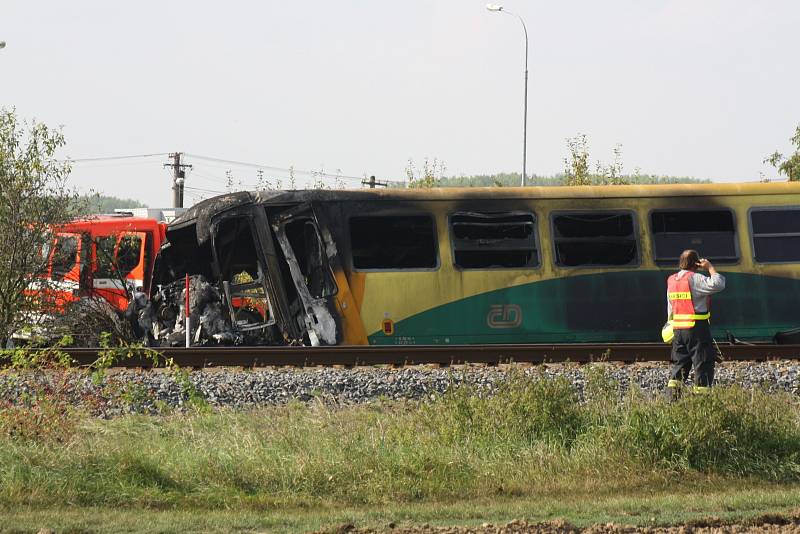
[688,310]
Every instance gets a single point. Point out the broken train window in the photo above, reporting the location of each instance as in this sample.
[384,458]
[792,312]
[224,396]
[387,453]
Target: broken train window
[393,242]
[776,234]
[711,232]
[494,240]
[594,238]
[240,273]
[311,258]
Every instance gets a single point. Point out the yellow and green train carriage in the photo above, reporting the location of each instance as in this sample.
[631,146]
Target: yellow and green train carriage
[494,265]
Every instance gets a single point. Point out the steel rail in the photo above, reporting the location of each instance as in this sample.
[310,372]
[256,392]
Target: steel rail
[444,355]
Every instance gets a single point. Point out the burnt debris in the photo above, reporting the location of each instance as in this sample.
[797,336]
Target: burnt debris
[209,321]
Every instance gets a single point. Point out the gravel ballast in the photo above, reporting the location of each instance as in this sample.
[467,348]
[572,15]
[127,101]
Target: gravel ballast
[128,391]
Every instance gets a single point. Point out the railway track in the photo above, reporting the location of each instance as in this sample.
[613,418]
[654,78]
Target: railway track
[443,355]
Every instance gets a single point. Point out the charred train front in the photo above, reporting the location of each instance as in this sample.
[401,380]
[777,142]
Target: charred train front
[260,271]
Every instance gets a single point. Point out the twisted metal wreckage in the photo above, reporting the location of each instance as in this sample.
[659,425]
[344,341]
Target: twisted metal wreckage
[231,254]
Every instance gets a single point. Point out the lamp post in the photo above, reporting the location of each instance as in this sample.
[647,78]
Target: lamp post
[497,8]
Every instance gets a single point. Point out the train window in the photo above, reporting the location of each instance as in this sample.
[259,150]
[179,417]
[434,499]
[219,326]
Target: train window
[393,242]
[711,232]
[236,249]
[595,238]
[241,275]
[776,235]
[494,240]
[65,255]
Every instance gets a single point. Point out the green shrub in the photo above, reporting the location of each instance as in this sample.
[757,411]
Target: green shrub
[523,411]
[732,431]
[534,434]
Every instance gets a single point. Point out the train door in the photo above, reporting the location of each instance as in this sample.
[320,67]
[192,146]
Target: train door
[242,275]
[120,264]
[307,256]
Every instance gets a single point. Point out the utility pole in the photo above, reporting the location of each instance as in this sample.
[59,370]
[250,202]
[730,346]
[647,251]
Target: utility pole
[372,183]
[178,178]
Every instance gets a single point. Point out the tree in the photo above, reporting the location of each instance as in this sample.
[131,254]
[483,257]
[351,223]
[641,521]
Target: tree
[577,165]
[34,197]
[611,174]
[430,175]
[97,203]
[577,171]
[790,167]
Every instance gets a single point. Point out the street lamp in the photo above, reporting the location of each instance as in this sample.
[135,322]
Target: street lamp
[497,8]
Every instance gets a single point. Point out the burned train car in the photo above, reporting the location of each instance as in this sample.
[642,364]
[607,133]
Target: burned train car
[478,265]
[260,269]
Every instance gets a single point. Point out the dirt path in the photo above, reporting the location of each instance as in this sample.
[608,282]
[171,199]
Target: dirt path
[762,525]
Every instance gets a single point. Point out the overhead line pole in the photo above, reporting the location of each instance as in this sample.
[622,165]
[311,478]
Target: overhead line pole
[178,178]
[372,183]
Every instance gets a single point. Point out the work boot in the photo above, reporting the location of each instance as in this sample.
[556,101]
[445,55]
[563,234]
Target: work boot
[674,390]
[672,394]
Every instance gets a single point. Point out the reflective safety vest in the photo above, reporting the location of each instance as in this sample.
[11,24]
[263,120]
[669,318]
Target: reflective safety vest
[680,297]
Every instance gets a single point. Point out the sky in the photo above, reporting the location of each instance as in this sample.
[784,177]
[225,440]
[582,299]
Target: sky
[703,88]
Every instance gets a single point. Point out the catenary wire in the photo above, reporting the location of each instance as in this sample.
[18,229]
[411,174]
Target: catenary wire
[321,174]
[221,160]
[112,164]
[203,190]
[273,168]
[237,183]
[109,158]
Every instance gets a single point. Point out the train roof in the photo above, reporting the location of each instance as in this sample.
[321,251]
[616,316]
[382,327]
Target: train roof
[232,200]
[201,213]
[559,191]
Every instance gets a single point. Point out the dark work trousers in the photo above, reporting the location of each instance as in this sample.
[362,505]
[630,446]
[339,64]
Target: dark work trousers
[693,347]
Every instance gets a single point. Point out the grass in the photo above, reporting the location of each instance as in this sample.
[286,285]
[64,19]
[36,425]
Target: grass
[685,503]
[532,450]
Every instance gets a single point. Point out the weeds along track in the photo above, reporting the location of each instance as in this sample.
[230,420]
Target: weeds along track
[408,355]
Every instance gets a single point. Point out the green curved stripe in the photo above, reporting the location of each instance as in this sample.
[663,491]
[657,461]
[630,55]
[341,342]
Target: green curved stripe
[607,307]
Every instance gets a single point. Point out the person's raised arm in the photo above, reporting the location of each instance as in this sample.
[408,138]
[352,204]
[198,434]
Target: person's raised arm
[706,266]
[714,283]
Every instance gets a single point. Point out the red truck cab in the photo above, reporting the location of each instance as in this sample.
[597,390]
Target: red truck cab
[99,256]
